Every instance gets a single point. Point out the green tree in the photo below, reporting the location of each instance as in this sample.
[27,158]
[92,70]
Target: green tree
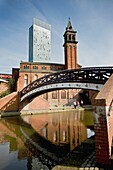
[11,85]
[5,93]
[11,88]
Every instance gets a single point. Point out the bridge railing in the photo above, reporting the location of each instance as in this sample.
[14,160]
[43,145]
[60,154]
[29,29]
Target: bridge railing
[87,75]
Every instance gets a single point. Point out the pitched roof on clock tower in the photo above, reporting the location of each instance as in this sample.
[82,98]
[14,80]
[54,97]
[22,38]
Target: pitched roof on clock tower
[70,47]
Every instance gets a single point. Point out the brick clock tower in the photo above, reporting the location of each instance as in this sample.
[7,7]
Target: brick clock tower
[70,47]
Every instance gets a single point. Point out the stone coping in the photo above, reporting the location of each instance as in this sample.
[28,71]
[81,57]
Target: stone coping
[32,112]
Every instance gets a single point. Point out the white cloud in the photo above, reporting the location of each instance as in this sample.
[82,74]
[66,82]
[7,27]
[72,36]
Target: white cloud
[89,18]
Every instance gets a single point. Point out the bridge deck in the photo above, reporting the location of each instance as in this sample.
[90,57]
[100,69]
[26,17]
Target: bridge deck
[92,75]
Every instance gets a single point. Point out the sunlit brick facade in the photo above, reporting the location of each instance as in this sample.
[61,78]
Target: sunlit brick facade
[30,71]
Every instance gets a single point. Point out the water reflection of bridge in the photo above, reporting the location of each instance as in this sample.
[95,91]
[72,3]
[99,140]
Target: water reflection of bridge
[61,129]
[60,133]
[99,79]
[48,138]
[27,147]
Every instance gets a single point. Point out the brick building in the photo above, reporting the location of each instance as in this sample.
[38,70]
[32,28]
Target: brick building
[30,71]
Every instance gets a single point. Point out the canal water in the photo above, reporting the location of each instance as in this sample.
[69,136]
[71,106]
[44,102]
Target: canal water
[39,142]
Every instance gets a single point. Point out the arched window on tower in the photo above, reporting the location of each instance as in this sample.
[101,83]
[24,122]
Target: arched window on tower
[73,37]
[67,37]
[25,80]
[70,37]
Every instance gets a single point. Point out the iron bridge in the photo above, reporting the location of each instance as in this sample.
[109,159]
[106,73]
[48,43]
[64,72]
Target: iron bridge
[91,78]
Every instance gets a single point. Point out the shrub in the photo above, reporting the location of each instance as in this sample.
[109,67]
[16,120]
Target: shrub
[5,93]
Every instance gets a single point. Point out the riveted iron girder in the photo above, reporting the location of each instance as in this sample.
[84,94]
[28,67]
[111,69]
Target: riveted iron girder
[97,75]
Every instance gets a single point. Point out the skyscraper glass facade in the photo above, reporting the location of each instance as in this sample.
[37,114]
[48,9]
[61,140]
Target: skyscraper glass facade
[39,42]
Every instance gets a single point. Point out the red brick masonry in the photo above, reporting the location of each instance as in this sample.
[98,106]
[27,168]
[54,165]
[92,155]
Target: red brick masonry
[103,123]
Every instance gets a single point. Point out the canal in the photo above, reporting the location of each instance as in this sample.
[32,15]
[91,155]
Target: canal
[39,142]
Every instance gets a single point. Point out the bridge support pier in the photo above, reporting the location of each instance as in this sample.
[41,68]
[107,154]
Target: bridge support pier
[103,123]
[103,138]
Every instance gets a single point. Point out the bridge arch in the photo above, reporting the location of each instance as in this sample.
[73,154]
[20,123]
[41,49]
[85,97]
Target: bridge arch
[85,78]
[90,78]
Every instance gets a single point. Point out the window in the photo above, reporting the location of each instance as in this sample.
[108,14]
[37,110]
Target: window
[69,37]
[60,68]
[55,136]
[52,68]
[45,96]
[54,95]
[44,68]
[63,94]
[25,80]
[73,37]
[64,136]
[26,67]
[35,77]
[35,67]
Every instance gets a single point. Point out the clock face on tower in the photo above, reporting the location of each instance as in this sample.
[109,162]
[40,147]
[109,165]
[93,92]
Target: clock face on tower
[41,44]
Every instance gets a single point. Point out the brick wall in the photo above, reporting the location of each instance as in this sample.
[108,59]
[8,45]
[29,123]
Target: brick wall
[36,104]
[9,103]
[3,87]
[70,56]
[103,123]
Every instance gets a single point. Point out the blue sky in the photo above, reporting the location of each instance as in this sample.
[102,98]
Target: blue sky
[92,19]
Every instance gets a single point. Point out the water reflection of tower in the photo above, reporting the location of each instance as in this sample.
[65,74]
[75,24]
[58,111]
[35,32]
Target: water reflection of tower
[78,131]
[70,130]
[61,128]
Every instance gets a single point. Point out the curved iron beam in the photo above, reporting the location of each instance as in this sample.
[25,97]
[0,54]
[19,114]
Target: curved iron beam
[93,75]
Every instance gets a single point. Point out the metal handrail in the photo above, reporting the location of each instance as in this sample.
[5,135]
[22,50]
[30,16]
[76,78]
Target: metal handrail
[97,75]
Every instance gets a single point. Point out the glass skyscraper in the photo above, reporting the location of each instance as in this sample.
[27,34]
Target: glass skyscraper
[39,41]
